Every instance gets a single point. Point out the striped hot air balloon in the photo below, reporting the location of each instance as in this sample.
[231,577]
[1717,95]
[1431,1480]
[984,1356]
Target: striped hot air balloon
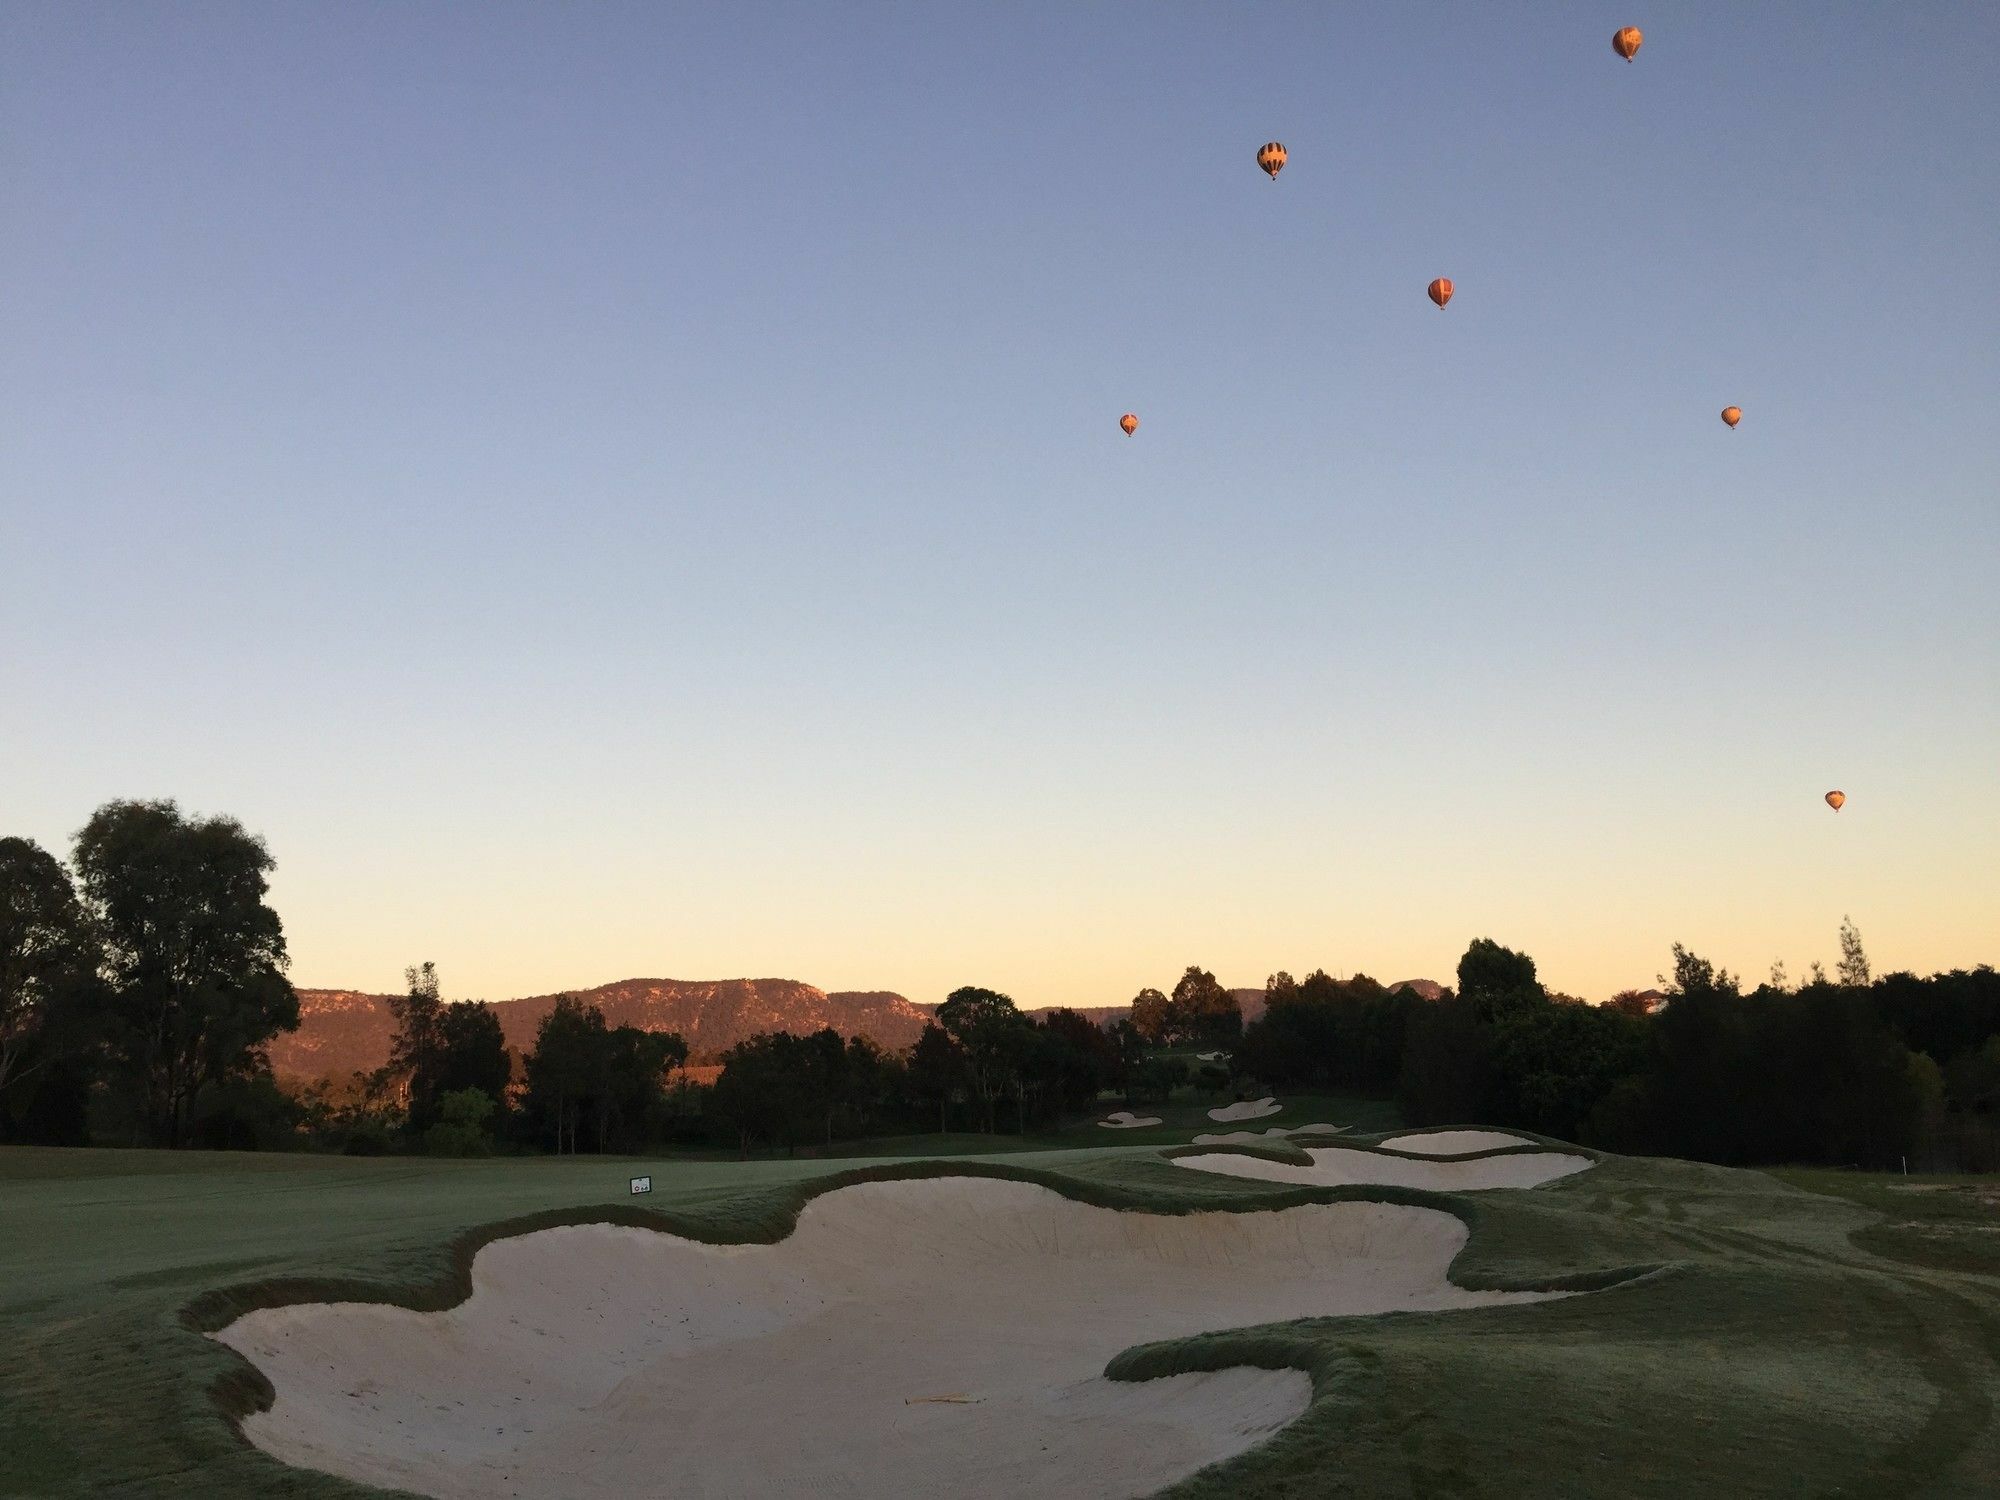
[1130,423]
[1626,41]
[1271,157]
[1441,291]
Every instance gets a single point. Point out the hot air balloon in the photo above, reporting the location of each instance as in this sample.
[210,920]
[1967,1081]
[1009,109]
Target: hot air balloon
[1130,423]
[1626,41]
[1834,799]
[1732,414]
[1271,157]
[1441,291]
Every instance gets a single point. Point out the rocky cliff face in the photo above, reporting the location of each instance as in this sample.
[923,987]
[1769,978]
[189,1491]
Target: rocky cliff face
[344,1031]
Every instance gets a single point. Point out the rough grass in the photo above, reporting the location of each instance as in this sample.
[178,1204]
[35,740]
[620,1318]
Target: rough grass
[1745,1336]
[1946,1223]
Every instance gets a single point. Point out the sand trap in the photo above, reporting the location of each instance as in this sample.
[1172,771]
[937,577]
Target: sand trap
[600,1360]
[1124,1119]
[1245,1109]
[1341,1166]
[1454,1142]
[1264,1137]
[1210,1056]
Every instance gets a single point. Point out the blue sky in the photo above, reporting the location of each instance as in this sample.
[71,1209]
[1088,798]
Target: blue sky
[634,489]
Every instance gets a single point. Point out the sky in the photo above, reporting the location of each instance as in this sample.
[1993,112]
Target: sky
[635,490]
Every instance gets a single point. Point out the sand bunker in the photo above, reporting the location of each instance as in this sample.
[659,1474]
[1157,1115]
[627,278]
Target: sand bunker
[1124,1119]
[1264,1137]
[600,1360]
[1454,1142]
[1245,1109]
[1341,1166]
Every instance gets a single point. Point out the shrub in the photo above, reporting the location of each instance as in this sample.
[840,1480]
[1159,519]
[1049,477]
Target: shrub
[461,1128]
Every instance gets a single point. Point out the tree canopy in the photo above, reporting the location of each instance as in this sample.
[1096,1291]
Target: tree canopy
[985,1025]
[48,962]
[441,1047]
[193,957]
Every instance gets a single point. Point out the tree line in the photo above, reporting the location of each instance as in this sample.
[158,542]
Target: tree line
[140,984]
[1847,1070]
[142,988]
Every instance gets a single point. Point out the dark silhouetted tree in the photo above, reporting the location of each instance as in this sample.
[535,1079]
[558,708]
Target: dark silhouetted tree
[194,959]
[1635,1003]
[442,1047]
[1496,979]
[474,1051]
[1082,1060]
[49,996]
[1853,970]
[936,1070]
[564,1069]
[765,1091]
[1131,1044]
[1204,1012]
[1447,1075]
[629,1082]
[984,1023]
[1154,1017]
[615,1078]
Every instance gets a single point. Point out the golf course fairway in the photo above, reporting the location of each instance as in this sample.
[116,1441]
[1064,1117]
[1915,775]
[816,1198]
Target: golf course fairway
[1729,1333]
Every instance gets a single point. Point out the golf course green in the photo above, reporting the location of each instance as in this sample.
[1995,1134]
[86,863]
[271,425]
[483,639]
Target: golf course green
[1796,1333]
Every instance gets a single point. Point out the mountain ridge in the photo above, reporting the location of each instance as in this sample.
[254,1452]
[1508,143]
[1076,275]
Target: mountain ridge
[346,1031]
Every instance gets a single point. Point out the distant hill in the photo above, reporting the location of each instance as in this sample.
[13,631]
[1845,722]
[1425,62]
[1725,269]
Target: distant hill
[1430,989]
[344,1031]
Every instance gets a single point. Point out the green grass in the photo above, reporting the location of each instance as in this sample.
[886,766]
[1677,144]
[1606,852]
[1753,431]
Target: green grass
[1804,1337]
[1181,1119]
[1949,1223]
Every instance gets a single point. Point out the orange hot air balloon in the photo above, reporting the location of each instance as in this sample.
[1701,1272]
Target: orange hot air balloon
[1834,799]
[1732,414]
[1441,291]
[1130,423]
[1626,41]
[1271,157]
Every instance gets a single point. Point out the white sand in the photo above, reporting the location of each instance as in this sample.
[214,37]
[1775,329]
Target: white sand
[1454,1142]
[1264,1137]
[1341,1166]
[1245,1109]
[1210,1056]
[1124,1119]
[602,1361]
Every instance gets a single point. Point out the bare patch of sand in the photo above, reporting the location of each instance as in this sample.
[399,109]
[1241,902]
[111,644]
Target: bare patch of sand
[1454,1142]
[1340,1166]
[1124,1119]
[1264,1137]
[1245,1109]
[600,1360]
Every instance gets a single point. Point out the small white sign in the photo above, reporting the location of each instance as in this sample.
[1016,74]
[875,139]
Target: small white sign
[642,1184]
